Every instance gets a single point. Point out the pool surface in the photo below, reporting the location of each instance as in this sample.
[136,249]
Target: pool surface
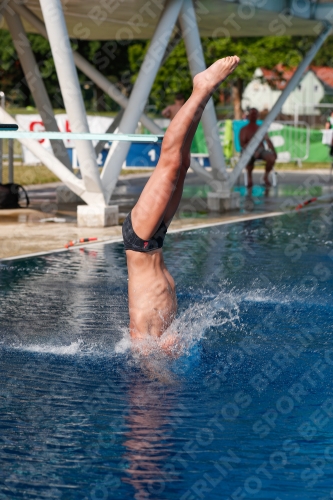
[245,411]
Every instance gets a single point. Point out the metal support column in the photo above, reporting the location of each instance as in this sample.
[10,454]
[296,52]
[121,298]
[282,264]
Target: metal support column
[104,84]
[293,82]
[10,160]
[92,73]
[35,82]
[2,100]
[71,93]
[197,64]
[1,147]
[177,38]
[111,90]
[140,92]
[113,127]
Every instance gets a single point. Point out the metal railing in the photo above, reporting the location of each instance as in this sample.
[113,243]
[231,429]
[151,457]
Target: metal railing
[291,142]
[10,135]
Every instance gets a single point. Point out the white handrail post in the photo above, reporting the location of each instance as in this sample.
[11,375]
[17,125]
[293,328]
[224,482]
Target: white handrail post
[2,105]
[71,93]
[52,163]
[260,134]
[10,160]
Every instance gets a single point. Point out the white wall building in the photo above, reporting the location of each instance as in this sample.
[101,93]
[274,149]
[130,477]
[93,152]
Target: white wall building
[266,87]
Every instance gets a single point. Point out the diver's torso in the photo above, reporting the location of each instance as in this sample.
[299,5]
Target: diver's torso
[151,292]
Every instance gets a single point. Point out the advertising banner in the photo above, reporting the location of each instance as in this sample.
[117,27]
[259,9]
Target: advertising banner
[34,123]
[139,155]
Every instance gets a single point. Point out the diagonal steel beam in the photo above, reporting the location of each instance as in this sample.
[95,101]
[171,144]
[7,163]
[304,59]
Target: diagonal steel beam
[83,65]
[114,125]
[196,60]
[173,43]
[104,84]
[71,93]
[35,82]
[140,92]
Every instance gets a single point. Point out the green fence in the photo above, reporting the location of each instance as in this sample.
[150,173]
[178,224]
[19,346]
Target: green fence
[298,142]
[318,152]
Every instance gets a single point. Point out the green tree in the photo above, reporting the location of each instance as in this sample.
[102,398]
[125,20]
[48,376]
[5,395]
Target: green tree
[10,69]
[110,57]
[120,63]
[172,77]
[266,52]
[253,52]
[325,55]
[112,60]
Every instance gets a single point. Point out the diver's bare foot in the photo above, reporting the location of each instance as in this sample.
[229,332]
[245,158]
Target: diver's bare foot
[211,78]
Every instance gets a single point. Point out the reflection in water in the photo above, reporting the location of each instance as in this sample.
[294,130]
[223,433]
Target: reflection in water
[83,418]
[148,437]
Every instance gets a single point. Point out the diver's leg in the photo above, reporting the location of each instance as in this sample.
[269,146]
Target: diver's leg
[186,161]
[175,198]
[269,158]
[249,168]
[150,209]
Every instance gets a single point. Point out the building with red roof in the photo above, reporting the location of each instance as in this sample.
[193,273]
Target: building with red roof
[325,75]
[266,87]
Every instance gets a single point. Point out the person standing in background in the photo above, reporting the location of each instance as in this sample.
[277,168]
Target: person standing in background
[265,151]
[329,125]
[329,121]
[171,111]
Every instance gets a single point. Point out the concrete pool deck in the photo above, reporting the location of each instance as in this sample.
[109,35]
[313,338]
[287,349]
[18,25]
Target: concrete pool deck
[24,238]
[22,233]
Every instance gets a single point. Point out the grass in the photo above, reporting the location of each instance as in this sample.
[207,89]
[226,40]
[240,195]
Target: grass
[39,174]
[294,166]
[26,175]
[131,171]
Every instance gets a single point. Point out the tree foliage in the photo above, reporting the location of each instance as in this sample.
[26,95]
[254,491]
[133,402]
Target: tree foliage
[121,62]
[108,57]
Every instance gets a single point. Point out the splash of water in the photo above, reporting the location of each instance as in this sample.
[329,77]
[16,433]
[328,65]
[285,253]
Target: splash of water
[62,350]
[181,338]
[188,328]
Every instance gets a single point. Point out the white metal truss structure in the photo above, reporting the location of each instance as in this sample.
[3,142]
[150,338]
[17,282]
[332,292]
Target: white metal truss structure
[35,83]
[156,20]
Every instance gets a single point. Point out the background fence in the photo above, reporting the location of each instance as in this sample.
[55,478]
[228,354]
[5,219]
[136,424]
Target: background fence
[293,142]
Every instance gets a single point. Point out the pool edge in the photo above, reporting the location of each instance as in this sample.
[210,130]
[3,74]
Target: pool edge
[117,240]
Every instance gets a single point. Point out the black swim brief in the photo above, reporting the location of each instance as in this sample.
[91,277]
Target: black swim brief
[133,242]
[258,154]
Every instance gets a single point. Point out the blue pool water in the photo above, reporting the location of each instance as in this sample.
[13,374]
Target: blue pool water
[246,411]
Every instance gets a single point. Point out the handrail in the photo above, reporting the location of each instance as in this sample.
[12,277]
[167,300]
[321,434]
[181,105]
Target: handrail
[21,134]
